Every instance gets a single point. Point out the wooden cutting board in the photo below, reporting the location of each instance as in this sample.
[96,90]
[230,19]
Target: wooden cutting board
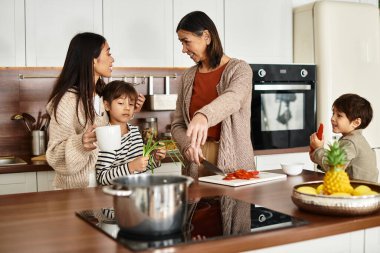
[263,177]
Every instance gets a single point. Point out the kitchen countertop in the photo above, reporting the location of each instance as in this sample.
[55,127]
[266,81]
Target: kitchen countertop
[46,221]
[31,166]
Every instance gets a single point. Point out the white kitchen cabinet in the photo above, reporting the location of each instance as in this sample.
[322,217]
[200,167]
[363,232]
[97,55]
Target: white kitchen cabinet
[296,3]
[272,162]
[45,180]
[373,2]
[18,183]
[51,24]
[12,33]
[139,32]
[372,240]
[213,8]
[303,2]
[342,243]
[168,169]
[259,31]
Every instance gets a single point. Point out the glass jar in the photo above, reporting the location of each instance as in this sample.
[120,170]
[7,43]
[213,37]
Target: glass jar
[170,145]
[149,129]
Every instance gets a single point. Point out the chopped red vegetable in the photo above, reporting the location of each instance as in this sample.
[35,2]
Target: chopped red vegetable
[242,174]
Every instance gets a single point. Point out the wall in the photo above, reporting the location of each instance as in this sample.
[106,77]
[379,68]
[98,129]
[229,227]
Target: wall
[31,95]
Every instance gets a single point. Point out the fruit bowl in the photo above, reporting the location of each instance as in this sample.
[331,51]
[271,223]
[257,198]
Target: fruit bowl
[334,205]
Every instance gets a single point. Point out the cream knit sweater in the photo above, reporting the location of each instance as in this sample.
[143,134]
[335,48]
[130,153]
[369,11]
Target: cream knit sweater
[232,108]
[65,152]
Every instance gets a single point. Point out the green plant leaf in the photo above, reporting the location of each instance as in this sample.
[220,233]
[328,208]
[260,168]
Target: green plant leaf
[151,145]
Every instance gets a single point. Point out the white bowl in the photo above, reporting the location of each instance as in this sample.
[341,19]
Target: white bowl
[292,169]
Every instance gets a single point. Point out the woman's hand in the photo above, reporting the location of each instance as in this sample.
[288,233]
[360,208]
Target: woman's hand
[315,142]
[197,132]
[140,102]
[89,138]
[139,164]
[193,154]
[160,153]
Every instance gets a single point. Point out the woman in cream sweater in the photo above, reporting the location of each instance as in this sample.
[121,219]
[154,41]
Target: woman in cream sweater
[76,109]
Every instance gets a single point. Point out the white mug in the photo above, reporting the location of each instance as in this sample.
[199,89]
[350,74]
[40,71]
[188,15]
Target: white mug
[108,137]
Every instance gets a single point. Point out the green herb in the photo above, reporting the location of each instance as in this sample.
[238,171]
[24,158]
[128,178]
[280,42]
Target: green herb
[152,145]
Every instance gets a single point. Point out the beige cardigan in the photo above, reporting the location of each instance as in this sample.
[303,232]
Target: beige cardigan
[232,107]
[65,152]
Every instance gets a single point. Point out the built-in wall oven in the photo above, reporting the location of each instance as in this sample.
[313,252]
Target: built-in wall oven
[283,105]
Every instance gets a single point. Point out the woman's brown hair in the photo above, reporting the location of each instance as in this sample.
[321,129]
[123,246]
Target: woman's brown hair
[197,22]
[78,73]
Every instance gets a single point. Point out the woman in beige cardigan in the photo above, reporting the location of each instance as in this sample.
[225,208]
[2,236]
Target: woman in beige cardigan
[212,118]
[76,109]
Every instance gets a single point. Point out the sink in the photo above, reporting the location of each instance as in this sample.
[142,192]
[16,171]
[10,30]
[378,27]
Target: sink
[11,160]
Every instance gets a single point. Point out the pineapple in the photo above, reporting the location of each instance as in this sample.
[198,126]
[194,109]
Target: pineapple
[336,179]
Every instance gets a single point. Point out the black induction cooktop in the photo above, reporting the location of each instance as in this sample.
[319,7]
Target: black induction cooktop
[210,218]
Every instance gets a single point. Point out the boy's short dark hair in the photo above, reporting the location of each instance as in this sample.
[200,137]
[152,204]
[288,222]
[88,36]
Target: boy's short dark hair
[116,89]
[355,106]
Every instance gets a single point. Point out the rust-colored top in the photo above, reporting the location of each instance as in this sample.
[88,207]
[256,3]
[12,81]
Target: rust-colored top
[204,92]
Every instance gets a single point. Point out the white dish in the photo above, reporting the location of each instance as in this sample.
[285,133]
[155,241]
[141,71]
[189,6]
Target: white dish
[292,169]
[263,177]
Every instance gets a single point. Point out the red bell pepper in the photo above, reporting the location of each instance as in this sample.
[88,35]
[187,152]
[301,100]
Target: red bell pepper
[319,135]
[320,131]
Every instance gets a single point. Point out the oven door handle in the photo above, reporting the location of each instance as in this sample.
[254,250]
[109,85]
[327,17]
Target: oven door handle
[282,87]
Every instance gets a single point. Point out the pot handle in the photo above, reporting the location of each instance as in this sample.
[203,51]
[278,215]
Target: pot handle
[119,193]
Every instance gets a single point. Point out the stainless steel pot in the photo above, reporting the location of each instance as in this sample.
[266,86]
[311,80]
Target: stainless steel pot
[152,205]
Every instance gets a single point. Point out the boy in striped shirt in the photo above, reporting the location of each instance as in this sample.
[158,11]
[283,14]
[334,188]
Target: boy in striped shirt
[119,101]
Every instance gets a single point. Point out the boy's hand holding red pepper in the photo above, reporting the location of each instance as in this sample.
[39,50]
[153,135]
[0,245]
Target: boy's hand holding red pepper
[316,143]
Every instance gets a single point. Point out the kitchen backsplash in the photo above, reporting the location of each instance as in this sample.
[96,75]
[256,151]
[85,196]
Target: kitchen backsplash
[27,90]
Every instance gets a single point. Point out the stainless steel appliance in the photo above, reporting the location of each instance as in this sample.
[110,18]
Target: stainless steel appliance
[204,222]
[150,204]
[283,105]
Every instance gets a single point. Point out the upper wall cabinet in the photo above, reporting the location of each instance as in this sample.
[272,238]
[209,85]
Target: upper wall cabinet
[12,35]
[139,32]
[213,8]
[51,24]
[303,2]
[259,31]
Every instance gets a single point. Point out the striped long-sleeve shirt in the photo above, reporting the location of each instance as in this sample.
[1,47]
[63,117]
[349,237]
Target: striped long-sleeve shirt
[111,165]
